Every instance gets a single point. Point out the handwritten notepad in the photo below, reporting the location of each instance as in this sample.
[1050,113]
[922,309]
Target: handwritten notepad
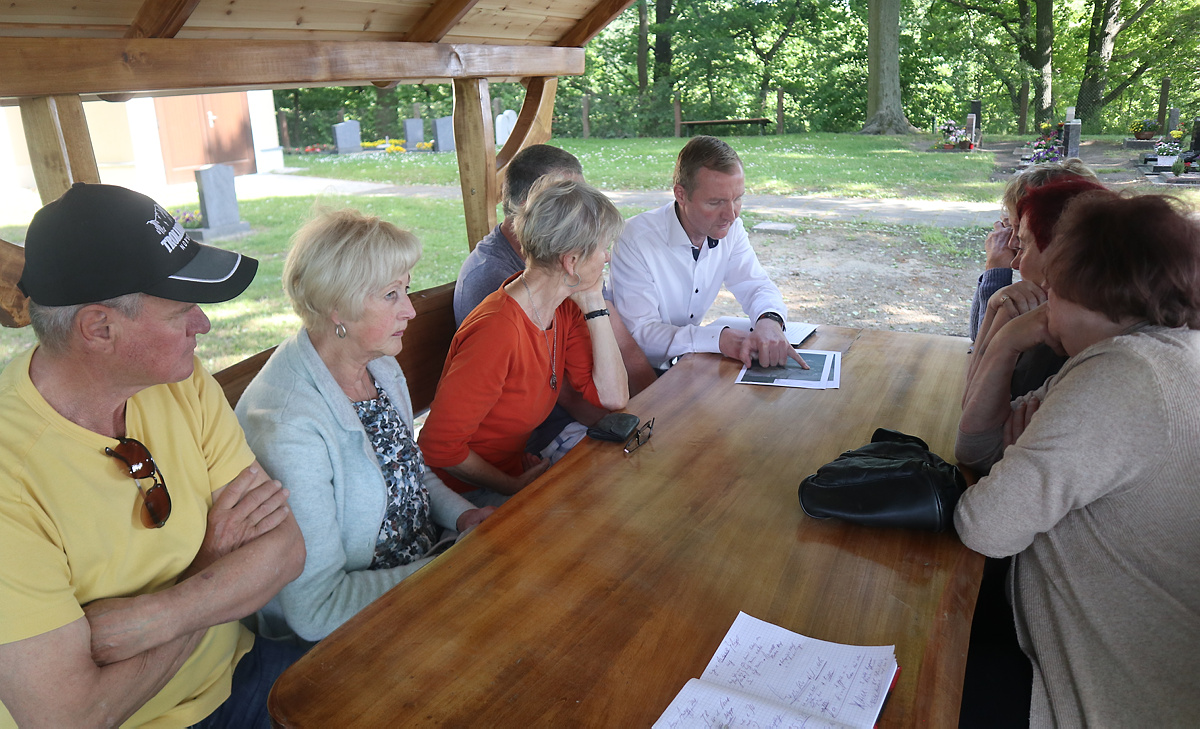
[764,675]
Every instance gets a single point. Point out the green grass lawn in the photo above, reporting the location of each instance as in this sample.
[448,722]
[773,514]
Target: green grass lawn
[261,317]
[842,165]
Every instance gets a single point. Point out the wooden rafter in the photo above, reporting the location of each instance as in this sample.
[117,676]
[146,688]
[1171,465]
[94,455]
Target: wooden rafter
[50,66]
[438,20]
[60,146]
[160,18]
[589,25]
[533,123]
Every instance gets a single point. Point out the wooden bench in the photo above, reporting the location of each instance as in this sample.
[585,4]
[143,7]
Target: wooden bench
[426,342]
[761,121]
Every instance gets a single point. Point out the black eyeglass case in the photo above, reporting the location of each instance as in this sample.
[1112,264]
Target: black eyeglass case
[614,427]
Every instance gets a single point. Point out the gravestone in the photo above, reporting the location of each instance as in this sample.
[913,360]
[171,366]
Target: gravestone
[504,126]
[1071,133]
[970,128]
[414,133]
[219,215]
[443,134]
[347,137]
[1172,119]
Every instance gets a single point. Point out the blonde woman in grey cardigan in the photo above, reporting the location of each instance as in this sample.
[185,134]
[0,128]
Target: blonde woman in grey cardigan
[329,416]
[1097,493]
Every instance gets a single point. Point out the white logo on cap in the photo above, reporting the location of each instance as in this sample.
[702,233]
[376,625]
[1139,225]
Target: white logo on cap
[167,227]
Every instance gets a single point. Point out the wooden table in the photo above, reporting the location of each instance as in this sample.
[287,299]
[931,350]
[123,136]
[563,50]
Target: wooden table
[596,593]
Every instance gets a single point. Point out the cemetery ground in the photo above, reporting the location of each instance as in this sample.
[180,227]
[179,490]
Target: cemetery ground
[906,276]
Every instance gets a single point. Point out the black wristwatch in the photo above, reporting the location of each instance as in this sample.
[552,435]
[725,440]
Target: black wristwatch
[775,318]
[596,313]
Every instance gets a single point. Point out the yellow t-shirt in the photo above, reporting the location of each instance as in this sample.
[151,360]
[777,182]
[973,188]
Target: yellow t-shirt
[70,526]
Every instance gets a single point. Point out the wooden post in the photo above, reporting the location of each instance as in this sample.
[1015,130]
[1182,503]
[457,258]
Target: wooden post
[587,107]
[14,307]
[779,111]
[678,116]
[475,138]
[533,123]
[1162,103]
[284,138]
[60,147]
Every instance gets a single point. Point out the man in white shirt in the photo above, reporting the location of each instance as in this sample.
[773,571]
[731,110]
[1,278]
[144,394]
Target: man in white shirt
[669,264]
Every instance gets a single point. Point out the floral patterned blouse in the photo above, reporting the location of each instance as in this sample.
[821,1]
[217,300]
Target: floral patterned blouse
[407,532]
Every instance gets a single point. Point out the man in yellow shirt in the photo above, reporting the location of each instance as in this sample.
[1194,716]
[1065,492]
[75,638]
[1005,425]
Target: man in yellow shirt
[136,526]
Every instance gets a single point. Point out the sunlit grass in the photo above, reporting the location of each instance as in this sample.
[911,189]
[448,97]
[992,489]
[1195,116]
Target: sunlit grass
[841,165]
[262,317]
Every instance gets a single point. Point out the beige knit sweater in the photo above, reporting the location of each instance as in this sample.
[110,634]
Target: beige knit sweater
[1100,501]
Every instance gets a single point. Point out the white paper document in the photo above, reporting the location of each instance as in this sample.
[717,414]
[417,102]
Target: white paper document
[796,332]
[765,676]
[824,372]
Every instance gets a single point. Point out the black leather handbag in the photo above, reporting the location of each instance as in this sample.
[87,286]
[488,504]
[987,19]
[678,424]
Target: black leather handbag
[893,481]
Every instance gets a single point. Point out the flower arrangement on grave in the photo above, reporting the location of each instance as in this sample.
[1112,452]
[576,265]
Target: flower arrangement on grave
[385,145]
[1047,148]
[425,146]
[1167,148]
[187,218]
[318,148]
[1143,126]
[953,134]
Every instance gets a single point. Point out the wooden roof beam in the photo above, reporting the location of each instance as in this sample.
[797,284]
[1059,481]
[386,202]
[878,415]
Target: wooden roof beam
[603,13]
[156,19]
[51,66]
[160,18]
[438,20]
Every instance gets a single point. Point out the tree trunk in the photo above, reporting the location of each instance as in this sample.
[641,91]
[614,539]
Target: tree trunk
[1102,37]
[1043,70]
[643,49]
[662,40]
[1023,108]
[885,114]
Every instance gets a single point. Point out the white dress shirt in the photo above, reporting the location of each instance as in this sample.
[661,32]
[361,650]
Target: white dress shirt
[663,293]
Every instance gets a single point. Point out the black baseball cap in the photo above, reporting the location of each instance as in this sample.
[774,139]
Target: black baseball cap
[97,242]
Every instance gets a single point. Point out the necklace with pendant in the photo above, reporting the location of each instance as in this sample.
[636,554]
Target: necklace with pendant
[552,350]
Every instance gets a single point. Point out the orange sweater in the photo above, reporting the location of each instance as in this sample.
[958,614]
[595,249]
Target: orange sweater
[495,386]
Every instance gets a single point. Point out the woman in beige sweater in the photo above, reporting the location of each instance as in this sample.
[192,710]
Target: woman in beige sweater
[1098,491]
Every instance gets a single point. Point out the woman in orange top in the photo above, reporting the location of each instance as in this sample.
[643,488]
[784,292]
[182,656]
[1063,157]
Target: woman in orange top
[511,353]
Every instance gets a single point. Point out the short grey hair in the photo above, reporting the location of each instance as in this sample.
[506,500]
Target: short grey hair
[53,324]
[565,216]
[339,258]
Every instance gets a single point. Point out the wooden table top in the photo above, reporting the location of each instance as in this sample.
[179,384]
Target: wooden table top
[596,593]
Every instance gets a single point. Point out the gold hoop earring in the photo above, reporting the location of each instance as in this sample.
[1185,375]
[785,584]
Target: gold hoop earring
[340,330]
[571,285]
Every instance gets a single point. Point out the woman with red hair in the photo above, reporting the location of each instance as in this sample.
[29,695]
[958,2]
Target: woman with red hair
[1097,494]
[1036,214]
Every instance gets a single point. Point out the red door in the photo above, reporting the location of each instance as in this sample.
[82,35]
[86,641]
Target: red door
[203,130]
